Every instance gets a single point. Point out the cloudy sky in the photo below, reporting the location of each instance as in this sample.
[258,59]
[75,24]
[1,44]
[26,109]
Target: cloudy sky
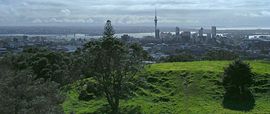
[229,13]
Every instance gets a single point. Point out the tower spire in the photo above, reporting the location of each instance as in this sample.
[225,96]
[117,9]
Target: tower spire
[155,12]
[156,22]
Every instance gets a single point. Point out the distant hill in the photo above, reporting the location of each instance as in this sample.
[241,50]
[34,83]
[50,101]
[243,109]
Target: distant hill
[176,88]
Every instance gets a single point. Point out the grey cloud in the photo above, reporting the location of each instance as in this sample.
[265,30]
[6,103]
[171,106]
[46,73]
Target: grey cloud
[135,12]
[66,12]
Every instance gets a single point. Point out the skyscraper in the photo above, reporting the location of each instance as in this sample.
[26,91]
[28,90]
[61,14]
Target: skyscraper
[201,32]
[156,30]
[214,31]
[186,36]
[177,31]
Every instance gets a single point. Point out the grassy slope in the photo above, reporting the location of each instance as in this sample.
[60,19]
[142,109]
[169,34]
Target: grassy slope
[190,87]
[212,66]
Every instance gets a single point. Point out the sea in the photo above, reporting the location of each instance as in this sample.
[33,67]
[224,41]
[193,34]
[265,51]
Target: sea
[84,32]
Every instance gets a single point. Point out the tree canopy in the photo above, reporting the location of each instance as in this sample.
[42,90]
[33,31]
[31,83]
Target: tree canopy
[113,64]
[237,75]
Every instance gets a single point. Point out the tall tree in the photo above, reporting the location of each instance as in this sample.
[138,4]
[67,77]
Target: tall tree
[237,77]
[113,64]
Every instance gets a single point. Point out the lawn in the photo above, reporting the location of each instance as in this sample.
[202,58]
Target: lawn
[260,67]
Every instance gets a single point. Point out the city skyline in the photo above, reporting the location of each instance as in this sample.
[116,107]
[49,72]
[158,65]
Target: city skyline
[228,13]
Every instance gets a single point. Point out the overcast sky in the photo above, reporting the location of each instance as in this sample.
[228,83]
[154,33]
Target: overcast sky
[229,13]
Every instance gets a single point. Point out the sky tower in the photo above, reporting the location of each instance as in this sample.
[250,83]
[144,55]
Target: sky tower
[156,29]
[156,20]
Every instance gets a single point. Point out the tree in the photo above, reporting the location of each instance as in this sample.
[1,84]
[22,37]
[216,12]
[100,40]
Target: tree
[21,93]
[237,76]
[54,66]
[237,79]
[112,64]
[183,57]
[220,55]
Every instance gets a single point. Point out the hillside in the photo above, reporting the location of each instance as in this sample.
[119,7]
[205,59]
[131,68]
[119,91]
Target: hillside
[174,88]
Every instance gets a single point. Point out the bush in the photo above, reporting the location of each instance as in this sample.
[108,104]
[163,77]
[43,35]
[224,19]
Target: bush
[237,76]
[20,93]
[236,81]
[179,58]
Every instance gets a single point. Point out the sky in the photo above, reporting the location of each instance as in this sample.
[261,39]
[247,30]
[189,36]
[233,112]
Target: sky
[227,13]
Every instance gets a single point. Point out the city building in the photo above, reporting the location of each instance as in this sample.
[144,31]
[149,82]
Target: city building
[208,37]
[126,38]
[186,36]
[177,31]
[3,51]
[214,31]
[201,32]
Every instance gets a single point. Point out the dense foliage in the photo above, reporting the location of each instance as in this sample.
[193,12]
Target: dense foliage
[212,55]
[178,58]
[220,55]
[30,81]
[237,76]
[54,66]
[113,64]
[21,92]
[237,79]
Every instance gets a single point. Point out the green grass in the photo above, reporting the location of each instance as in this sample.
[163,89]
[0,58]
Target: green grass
[73,104]
[260,67]
[179,88]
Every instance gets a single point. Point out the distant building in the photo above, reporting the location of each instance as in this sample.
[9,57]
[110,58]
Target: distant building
[214,31]
[3,51]
[201,32]
[166,36]
[177,31]
[208,37]
[186,36]
[25,38]
[3,44]
[125,38]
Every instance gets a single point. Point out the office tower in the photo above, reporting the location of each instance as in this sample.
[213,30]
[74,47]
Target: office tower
[177,31]
[186,36]
[125,38]
[214,31]
[201,32]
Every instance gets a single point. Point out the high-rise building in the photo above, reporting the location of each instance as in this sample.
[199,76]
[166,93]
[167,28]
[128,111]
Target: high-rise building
[177,31]
[125,38]
[186,36]
[201,32]
[156,29]
[214,31]
[208,36]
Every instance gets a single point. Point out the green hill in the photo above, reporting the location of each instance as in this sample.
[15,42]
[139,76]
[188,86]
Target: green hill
[176,88]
